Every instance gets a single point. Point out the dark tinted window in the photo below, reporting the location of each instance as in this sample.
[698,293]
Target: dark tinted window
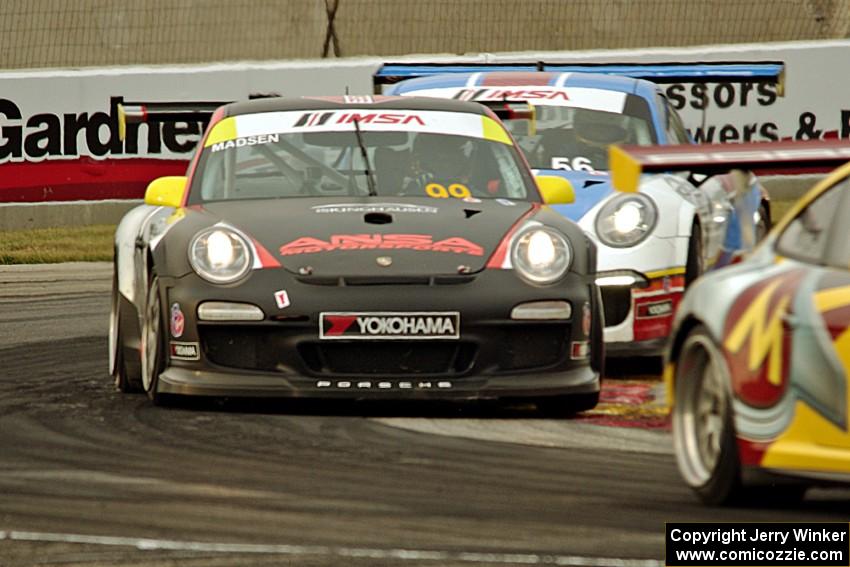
[809,235]
[676,129]
[676,132]
[573,138]
[317,164]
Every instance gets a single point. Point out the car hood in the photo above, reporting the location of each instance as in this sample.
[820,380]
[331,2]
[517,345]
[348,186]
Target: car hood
[590,189]
[372,236]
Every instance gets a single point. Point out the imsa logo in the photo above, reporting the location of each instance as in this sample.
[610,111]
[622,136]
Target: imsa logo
[392,326]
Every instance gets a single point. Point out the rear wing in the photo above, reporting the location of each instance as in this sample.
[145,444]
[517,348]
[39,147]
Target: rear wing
[138,112]
[772,72]
[628,163]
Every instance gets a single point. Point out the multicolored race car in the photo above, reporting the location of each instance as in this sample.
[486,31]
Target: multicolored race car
[759,365]
[356,247]
[652,244]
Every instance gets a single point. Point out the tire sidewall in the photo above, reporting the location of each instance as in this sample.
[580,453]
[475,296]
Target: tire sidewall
[724,482]
[152,362]
[115,358]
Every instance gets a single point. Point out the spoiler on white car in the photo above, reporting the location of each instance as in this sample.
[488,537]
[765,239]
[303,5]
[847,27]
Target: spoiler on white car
[628,163]
[138,112]
[696,72]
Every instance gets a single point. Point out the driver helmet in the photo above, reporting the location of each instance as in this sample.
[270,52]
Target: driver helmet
[442,156]
[599,129]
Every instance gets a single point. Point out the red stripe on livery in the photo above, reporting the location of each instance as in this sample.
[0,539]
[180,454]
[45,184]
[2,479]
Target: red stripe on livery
[498,258]
[655,327]
[515,79]
[339,324]
[751,452]
[659,284]
[266,259]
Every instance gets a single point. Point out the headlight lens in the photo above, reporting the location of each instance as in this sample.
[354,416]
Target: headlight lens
[541,254]
[626,220]
[220,255]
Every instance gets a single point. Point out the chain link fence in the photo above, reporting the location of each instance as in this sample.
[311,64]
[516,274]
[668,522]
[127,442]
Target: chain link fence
[77,33]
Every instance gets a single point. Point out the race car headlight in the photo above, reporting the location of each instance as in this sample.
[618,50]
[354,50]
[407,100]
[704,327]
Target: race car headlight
[541,255]
[220,255]
[626,220]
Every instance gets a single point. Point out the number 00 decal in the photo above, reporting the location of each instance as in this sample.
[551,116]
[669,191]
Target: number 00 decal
[456,190]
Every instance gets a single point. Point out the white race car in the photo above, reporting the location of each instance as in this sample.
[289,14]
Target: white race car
[652,243]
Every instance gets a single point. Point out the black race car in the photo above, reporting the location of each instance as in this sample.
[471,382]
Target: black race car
[357,247]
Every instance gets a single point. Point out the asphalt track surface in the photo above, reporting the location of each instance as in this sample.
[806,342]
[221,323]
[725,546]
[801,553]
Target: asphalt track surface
[89,476]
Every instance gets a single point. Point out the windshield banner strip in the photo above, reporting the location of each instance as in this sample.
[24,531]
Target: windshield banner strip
[256,126]
[537,95]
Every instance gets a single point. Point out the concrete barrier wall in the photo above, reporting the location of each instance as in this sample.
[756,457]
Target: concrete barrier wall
[23,216]
[58,132]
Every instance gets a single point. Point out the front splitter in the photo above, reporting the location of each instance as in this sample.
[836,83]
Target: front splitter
[182,381]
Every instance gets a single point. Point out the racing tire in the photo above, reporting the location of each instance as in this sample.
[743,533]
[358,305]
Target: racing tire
[124,380]
[153,343]
[568,405]
[704,439]
[695,265]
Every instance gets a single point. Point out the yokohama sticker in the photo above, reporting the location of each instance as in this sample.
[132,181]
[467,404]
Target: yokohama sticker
[393,326]
[656,309]
[185,351]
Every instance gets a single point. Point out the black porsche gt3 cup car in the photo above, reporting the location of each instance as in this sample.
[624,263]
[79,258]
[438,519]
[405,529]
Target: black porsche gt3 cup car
[368,247]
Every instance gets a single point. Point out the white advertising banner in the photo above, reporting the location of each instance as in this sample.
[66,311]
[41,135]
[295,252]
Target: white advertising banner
[59,131]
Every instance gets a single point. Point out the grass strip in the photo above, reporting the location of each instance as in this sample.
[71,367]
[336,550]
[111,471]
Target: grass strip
[94,243]
[51,245]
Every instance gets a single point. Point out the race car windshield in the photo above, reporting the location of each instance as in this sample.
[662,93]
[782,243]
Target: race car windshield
[332,163]
[562,137]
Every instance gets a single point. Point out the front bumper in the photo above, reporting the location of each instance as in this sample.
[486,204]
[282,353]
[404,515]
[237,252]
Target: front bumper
[283,354]
[639,318]
[650,347]
[175,380]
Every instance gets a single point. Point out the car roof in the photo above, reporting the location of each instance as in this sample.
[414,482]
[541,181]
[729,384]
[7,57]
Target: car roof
[379,103]
[528,79]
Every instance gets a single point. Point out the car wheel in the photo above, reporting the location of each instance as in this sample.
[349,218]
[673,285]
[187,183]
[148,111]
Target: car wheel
[122,377]
[703,432]
[153,351]
[695,265]
[567,406]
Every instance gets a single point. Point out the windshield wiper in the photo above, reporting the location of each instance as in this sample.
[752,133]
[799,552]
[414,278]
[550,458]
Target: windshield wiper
[370,179]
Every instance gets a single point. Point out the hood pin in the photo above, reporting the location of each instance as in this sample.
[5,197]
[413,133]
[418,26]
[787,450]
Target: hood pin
[384,261]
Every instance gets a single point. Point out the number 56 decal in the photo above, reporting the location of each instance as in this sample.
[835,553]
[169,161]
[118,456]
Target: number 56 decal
[575,164]
[456,190]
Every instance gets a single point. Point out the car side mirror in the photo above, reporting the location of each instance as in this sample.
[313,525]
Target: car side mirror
[555,190]
[166,192]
